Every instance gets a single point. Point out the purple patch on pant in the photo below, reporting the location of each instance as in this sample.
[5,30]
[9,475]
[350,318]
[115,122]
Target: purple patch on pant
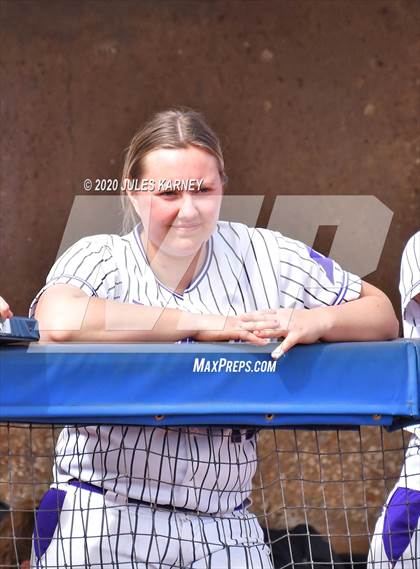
[326,263]
[46,519]
[401,518]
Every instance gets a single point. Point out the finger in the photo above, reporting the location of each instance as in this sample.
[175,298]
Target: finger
[290,341]
[6,314]
[262,325]
[5,311]
[271,333]
[257,315]
[250,337]
[277,352]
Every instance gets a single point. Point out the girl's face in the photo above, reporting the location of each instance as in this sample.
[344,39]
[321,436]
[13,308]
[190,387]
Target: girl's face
[178,221]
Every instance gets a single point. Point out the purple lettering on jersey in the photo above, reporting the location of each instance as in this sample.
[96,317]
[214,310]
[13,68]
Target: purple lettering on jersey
[46,520]
[401,518]
[325,262]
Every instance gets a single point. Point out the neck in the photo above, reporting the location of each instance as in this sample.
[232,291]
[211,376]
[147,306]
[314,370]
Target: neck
[176,273]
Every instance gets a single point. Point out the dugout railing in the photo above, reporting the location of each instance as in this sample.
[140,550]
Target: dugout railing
[329,421]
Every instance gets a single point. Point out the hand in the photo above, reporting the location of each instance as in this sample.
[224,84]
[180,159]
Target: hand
[221,329]
[5,311]
[295,326]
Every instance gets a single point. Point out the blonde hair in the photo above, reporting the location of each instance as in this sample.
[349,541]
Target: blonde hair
[174,128]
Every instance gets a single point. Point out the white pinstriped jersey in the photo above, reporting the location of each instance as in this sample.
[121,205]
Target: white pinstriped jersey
[410,287]
[244,270]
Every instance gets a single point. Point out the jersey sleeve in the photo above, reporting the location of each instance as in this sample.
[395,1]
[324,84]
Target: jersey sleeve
[308,279]
[89,265]
[410,283]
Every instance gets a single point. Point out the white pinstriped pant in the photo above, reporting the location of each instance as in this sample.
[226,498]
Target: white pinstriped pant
[96,530]
[396,540]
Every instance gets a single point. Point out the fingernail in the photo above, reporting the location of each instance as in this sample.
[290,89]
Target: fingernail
[277,353]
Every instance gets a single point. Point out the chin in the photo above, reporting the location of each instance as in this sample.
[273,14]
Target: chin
[183,247]
[185,250]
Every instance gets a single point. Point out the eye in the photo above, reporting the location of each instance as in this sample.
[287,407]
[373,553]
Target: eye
[168,193]
[204,190]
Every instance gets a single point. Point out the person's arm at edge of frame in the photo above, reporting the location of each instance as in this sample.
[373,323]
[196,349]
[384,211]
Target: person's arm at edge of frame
[5,310]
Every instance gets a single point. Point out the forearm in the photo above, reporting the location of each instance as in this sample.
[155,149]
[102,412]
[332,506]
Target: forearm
[368,318]
[65,314]
[85,319]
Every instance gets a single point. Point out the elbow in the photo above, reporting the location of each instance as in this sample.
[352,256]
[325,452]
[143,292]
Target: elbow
[394,328]
[54,330]
[386,325]
[391,326]
[57,327]
[55,336]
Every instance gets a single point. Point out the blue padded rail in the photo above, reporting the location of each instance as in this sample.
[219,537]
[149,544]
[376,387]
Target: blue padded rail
[354,383]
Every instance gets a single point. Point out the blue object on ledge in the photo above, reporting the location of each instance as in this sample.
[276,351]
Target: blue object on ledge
[352,383]
[18,329]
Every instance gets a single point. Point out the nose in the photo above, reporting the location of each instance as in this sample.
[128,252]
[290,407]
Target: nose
[188,207]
